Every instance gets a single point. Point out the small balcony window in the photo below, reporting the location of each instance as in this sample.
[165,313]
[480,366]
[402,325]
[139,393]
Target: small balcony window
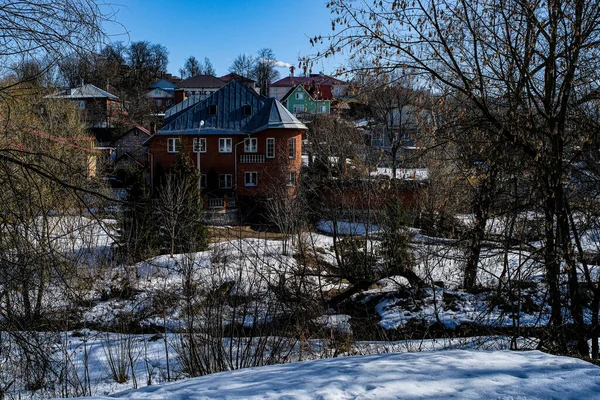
[250,145]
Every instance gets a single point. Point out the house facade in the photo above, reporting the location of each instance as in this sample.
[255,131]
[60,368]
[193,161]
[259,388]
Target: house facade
[244,146]
[198,85]
[298,101]
[321,87]
[162,93]
[98,108]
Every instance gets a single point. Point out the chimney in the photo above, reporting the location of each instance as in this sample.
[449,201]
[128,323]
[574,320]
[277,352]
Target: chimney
[292,69]
[153,127]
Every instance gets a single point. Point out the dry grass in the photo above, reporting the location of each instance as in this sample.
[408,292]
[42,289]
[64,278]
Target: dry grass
[226,233]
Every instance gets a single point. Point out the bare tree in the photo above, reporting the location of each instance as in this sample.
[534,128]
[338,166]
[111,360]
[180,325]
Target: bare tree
[265,71]
[526,69]
[243,65]
[49,30]
[191,67]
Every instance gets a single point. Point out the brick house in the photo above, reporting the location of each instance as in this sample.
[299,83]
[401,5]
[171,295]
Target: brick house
[245,146]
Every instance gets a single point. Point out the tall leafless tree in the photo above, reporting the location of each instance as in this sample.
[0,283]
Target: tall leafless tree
[527,69]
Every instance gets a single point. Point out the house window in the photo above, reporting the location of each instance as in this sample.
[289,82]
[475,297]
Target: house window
[157,91]
[173,145]
[323,108]
[299,96]
[292,145]
[224,145]
[250,145]
[250,178]
[298,108]
[270,147]
[159,102]
[292,179]
[247,110]
[202,181]
[82,104]
[225,181]
[199,145]
[212,109]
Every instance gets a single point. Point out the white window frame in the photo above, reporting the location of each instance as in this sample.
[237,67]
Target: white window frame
[292,179]
[270,150]
[251,179]
[203,181]
[250,145]
[225,181]
[199,145]
[225,145]
[173,145]
[299,108]
[292,148]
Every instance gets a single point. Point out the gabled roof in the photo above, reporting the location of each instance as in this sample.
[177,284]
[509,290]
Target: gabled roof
[139,128]
[201,81]
[317,79]
[296,88]
[242,79]
[230,119]
[87,91]
[163,93]
[163,84]
[306,93]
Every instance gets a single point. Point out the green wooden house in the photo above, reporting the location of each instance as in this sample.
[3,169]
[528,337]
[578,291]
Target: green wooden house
[299,101]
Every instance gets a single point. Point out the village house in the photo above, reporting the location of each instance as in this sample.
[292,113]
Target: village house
[320,86]
[246,147]
[301,103]
[197,85]
[162,93]
[250,83]
[98,108]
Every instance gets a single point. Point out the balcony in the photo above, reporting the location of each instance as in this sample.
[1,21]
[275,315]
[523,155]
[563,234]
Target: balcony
[252,158]
[220,211]
[220,203]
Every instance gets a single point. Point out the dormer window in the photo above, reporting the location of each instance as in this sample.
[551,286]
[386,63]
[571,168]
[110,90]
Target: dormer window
[299,96]
[212,109]
[247,110]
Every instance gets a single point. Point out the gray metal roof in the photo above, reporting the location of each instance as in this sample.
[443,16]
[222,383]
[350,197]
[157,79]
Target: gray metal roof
[230,119]
[85,91]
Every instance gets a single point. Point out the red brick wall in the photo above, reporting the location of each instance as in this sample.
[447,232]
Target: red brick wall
[273,173]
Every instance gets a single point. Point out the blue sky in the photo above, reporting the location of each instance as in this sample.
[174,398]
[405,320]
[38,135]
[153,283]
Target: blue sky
[220,30]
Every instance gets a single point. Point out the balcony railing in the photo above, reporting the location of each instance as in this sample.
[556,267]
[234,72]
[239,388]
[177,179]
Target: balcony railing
[252,158]
[221,203]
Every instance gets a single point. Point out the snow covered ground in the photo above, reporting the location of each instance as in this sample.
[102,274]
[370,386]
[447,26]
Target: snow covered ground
[415,174]
[463,374]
